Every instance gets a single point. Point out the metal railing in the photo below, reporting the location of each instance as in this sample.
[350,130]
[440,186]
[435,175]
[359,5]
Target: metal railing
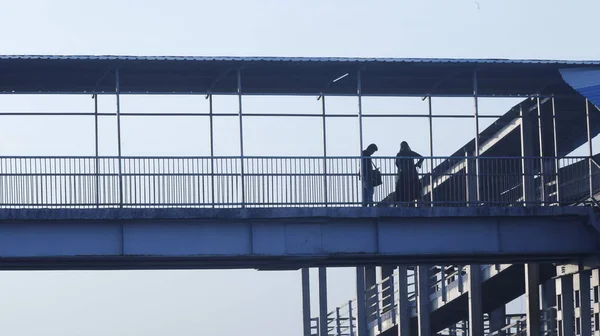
[383,301]
[88,182]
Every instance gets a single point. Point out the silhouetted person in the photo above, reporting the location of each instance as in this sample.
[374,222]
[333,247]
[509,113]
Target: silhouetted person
[366,173]
[408,186]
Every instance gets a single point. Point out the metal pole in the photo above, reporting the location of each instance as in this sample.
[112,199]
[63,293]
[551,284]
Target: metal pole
[430,151]
[532,295]
[97,150]
[118,93]
[239,83]
[541,141]
[306,301]
[583,299]
[591,152]
[556,161]
[360,117]
[596,298]
[212,151]
[422,292]
[324,149]
[475,297]
[475,92]
[323,301]
[403,302]
[361,302]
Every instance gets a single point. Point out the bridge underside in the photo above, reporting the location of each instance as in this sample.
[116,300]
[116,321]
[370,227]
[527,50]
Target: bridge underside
[287,238]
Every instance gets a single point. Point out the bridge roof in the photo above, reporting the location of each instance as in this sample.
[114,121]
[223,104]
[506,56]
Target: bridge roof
[282,75]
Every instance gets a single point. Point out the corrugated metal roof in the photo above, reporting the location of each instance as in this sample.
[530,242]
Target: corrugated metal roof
[298,59]
[282,75]
[585,81]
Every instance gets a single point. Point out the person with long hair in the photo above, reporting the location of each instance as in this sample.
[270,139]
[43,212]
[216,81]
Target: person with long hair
[408,185]
[367,175]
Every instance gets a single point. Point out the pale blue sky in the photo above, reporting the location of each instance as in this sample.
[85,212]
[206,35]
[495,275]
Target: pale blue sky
[216,303]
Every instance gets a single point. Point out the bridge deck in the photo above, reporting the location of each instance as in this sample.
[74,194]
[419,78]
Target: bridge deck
[289,238]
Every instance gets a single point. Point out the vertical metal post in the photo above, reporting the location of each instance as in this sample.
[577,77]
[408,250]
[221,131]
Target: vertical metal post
[387,284]
[323,301]
[541,143]
[532,295]
[239,89]
[212,153]
[583,321]
[460,278]
[118,94]
[588,121]
[548,295]
[556,162]
[423,301]
[526,153]
[370,282]
[392,298]
[596,298]
[476,100]
[324,149]
[360,118]
[475,301]
[338,323]
[350,318]
[471,182]
[565,307]
[431,163]
[403,301]
[361,302]
[97,150]
[443,283]
[306,301]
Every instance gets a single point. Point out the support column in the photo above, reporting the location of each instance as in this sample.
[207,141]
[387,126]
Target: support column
[583,321]
[361,304]
[241,121]
[527,161]
[306,301]
[588,121]
[118,96]
[403,307]
[544,166]
[498,320]
[556,161]
[596,306]
[387,280]
[212,149]
[322,301]
[360,116]
[423,301]
[324,115]
[565,307]
[97,146]
[431,162]
[476,138]
[548,296]
[475,301]
[471,182]
[532,294]
[370,282]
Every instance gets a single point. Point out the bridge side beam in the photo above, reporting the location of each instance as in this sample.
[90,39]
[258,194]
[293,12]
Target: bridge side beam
[293,242]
